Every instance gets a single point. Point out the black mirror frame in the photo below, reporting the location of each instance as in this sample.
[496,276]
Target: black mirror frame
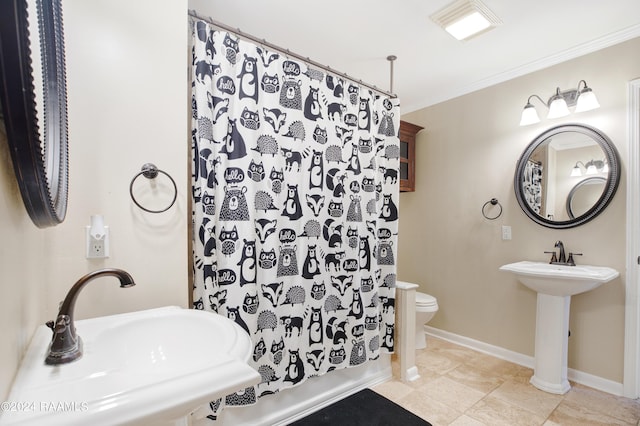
[41,165]
[611,185]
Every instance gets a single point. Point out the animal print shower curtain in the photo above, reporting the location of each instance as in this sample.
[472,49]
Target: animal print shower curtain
[295,194]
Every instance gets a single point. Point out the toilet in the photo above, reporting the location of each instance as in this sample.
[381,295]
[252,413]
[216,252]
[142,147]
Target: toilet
[426,308]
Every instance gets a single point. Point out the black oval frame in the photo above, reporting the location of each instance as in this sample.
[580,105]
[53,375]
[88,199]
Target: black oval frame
[611,185]
[41,165]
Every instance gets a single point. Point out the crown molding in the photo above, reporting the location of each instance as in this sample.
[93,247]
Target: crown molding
[568,54]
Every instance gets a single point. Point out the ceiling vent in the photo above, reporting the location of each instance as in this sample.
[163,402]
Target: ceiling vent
[464,19]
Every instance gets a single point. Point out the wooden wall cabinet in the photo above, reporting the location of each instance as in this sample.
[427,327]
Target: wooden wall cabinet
[407,171]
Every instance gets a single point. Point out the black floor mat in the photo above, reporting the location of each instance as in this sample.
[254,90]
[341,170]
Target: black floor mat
[364,408]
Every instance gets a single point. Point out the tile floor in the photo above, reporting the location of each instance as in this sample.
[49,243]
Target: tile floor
[459,386]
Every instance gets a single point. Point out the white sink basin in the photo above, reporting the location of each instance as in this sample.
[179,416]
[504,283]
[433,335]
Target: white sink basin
[560,280]
[146,367]
[555,285]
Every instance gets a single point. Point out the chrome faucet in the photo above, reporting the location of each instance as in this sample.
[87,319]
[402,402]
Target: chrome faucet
[66,345]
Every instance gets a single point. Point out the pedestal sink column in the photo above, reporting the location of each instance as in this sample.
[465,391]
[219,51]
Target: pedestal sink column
[555,284]
[552,333]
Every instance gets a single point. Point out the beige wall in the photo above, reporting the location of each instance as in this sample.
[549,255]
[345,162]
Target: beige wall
[465,156]
[126,77]
[23,264]
[128,106]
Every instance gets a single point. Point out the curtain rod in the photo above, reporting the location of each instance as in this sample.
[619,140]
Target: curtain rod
[287,52]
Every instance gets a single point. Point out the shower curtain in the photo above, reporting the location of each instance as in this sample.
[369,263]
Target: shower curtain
[295,194]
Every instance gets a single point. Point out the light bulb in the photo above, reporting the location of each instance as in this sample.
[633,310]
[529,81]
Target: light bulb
[529,115]
[587,100]
[558,107]
[575,172]
[468,26]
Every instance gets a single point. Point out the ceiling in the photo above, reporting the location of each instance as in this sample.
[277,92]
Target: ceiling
[356,36]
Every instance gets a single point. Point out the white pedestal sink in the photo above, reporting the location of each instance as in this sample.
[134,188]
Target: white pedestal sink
[555,284]
[140,368]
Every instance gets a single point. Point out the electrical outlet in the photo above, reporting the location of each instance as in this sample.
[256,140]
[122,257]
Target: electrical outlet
[97,248]
[506,232]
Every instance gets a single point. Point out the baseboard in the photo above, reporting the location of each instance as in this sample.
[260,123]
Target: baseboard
[596,382]
[577,376]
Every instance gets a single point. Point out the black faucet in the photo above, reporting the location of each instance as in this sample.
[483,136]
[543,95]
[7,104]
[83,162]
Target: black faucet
[66,345]
[561,256]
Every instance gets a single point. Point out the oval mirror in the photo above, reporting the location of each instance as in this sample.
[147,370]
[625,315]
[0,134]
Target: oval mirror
[34,104]
[567,176]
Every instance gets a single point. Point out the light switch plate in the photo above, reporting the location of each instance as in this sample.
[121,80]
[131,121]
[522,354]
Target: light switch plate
[506,232]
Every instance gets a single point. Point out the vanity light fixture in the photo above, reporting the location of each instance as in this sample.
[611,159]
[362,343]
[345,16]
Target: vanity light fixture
[591,168]
[464,19]
[559,103]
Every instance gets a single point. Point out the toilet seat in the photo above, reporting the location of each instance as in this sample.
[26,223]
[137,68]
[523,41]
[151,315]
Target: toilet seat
[424,300]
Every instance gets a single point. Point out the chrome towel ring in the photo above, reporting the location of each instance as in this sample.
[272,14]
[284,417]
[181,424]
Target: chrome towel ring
[150,171]
[493,202]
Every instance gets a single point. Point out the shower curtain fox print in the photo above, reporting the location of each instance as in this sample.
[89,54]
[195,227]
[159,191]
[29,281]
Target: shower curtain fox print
[295,194]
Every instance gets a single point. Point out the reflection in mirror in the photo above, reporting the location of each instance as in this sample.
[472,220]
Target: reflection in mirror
[550,170]
[584,195]
[552,163]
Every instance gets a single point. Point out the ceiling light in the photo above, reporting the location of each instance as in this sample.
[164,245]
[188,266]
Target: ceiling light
[559,103]
[464,19]
[468,26]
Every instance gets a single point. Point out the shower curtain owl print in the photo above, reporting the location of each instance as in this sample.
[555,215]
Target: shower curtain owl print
[295,194]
